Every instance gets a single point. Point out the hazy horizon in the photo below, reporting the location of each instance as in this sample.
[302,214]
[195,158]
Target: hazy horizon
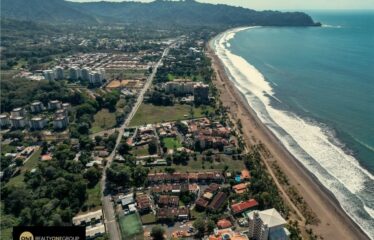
[282,5]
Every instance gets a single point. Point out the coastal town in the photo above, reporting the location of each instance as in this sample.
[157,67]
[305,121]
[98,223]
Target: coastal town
[139,132]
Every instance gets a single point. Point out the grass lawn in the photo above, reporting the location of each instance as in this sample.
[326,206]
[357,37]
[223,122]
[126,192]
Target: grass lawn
[149,113]
[140,150]
[197,165]
[30,164]
[6,148]
[170,143]
[103,120]
[131,226]
[148,218]
[94,196]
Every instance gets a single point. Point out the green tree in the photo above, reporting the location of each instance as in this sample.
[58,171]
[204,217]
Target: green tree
[93,175]
[157,233]
[199,225]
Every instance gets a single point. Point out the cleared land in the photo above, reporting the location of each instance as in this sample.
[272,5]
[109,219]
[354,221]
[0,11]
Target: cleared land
[172,143]
[131,227]
[149,113]
[31,163]
[103,120]
[204,165]
[94,196]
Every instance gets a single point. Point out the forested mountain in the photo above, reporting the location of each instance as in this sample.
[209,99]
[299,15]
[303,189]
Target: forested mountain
[50,11]
[184,13]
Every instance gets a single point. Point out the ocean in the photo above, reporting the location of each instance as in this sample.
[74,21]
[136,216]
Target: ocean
[314,88]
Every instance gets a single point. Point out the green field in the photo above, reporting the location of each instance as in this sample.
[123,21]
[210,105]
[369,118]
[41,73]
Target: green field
[93,196]
[103,120]
[199,165]
[148,218]
[30,164]
[140,151]
[172,143]
[131,226]
[149,113]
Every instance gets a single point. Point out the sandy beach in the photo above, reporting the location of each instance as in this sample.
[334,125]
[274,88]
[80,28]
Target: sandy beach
[334,222]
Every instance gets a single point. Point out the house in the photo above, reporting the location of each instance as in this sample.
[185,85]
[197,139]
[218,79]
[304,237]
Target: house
[212,188]
[245,175]
[172,214]
[127,199]
[227,233]
[201,203]
[224,223]
[240,188]
[143,203]
[166,200]
[88,218]
[218,201]
[244,206]
[267,225]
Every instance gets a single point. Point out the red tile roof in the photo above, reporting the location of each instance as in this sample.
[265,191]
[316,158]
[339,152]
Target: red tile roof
[224,223]
[243,206]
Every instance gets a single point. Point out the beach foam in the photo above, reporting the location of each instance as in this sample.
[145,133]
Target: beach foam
[311,143]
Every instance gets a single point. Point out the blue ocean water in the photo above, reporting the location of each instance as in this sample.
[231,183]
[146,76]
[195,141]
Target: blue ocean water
[314,88]
[324,73]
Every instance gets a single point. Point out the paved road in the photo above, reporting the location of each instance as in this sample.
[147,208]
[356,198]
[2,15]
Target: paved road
[109,213]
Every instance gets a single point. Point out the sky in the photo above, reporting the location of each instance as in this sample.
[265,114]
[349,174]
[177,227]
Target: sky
[285,4]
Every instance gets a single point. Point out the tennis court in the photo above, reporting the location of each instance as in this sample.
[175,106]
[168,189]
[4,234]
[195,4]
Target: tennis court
[131,227]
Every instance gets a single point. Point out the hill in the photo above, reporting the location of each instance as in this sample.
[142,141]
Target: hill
[159,12]
[49,11]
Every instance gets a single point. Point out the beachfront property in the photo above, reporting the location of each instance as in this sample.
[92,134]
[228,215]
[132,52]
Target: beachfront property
[227,233]
[267,225]
[201,93]
[93,221]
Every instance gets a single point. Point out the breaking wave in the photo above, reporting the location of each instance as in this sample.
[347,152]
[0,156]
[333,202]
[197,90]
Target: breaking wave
[312,143]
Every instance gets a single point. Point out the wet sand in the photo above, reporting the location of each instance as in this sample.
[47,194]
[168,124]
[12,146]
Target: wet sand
[334,222]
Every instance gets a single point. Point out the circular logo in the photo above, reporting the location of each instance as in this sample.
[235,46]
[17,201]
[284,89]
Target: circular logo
[26,236]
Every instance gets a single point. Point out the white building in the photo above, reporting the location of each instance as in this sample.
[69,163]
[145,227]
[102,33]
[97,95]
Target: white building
[59,73]
[267,225]
[86,74]
[17,112]
[18,122]
[4,120]
[66,106]
[54,104]
[74,73]
[61,113]
[60,122]
[49,75]
[37,123]
[93,221]
[37,107]
[180,87]
[96,78]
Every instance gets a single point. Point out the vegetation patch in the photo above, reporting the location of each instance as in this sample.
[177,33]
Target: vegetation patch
[171,143]
[103,120]
[130,226]
[148,218]
[31,163]
[149,113]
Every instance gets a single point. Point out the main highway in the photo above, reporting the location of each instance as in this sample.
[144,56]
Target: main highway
[111,224]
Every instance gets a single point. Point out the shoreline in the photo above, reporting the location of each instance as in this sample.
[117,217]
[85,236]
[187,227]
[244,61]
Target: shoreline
[335,222]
